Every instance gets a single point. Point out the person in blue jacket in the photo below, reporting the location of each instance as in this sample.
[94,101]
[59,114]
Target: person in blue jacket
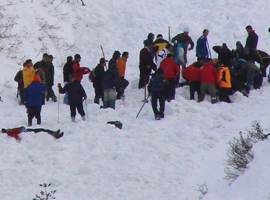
[201,48]
[33,99]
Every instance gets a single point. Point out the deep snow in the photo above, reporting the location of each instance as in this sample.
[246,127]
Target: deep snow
[147,159]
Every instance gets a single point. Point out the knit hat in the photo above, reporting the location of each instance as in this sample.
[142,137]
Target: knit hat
[238,43]
[102,60]
[186,29]
[36,78]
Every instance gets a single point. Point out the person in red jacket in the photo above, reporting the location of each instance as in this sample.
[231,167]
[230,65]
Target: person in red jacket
[14,132]
[79,71]
[171,70]
[193,76]
[208,82]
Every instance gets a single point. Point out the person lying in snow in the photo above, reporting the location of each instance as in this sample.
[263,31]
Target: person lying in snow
[14,132]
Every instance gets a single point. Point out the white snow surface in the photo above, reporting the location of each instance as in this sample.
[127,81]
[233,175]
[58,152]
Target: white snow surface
[147,159]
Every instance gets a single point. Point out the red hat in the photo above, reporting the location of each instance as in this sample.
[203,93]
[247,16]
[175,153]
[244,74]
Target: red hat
[36,78]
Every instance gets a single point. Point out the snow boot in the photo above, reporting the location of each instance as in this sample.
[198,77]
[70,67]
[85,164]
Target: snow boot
[157,117]
[112,103]
[96,100]
[73,119]
[106,104]
[83,118]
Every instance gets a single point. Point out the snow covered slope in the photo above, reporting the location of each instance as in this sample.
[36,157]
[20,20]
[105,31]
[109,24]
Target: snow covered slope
[147,159]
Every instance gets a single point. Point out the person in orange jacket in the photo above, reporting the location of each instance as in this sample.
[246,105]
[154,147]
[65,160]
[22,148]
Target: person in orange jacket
[224,82]
[121,67]
[171,70]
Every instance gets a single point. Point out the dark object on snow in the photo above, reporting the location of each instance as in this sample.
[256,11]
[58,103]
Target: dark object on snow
[117,124]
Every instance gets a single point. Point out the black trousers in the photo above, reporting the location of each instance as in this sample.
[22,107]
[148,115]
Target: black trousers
[194,86]
[158,96]
[34,111]
[170,89]
[98,94]
[122,84]
[224,95]
[266,62]
[50,93]
[79,107]
[36,130]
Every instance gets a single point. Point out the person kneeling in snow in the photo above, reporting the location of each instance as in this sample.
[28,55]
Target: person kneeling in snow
[14,132]
[156,88]
[76,95]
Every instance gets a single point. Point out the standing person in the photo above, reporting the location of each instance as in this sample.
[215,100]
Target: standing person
[156,88]
[224,82]
[67,70]
[238,53]
[19,79]
[97,81]
[179,55]
[77,69]
[28,73]
[185,40]
[76,95]
[40,73]
[208,82]
[193,76]
[146,64]
[121,67]
[163,54]
[43,63]
[159,44]
[150,37]
[33,97]
[49,75]
[252,39]
[109,84]
[202,50]
[115,57]
[260,57]
[171,70]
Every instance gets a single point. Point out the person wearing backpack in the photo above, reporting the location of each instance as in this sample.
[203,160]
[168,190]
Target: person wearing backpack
[156,88]
[171,71]
[97,75]
[67,70]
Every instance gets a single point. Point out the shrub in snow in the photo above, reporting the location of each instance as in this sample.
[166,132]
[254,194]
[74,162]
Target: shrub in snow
[45,195]
[81,1]
[203,190]
[239,153]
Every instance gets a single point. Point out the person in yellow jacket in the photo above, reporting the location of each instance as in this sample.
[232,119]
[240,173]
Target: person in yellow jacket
[224,82]
[28,72]
[121,67]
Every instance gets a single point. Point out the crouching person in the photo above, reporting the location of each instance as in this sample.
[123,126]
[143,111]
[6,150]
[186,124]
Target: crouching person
[76,95]
[109,84]
[33,99]
[224,83]
[156,88]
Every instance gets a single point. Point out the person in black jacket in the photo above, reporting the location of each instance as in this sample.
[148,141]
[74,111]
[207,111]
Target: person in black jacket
[76,95]
[157,88]
[67,69]
[252,39]
[19,79]
[146,64]
[97,81]
[115,57]
[109,83]
[260,57]
[224,54]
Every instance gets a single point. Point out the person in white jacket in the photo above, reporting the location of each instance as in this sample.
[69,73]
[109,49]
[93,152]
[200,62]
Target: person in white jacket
[163,54]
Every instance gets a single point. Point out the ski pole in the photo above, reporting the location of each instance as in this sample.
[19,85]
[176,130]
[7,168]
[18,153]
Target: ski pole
[209,51]
[58,107]
[86,110]
[142,106]
[103,55]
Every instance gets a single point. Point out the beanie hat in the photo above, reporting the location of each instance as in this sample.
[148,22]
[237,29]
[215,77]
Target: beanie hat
[36,78]
[238,43]
[186,29]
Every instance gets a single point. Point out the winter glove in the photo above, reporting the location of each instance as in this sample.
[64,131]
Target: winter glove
[85,97]
[59,85]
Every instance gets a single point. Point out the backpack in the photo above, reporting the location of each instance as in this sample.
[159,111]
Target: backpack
[92,75]
[157,84]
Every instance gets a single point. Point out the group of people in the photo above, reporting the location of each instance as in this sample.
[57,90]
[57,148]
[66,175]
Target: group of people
[35,84]
[233,70]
